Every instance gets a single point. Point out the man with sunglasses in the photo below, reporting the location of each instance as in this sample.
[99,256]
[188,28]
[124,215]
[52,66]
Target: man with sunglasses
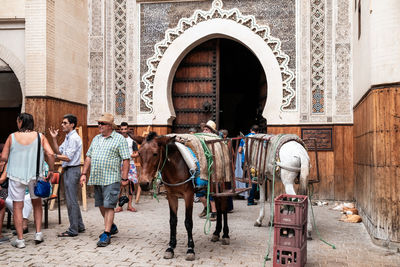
[70,153]
[104,157]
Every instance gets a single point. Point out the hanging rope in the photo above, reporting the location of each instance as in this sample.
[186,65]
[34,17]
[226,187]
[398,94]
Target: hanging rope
[267,258]
[158,178]
[310,194]
[210,162]
[271,220]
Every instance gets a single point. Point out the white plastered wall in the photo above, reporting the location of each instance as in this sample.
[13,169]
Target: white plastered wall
[377,52]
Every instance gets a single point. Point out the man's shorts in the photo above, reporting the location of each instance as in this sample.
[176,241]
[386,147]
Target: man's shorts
[106,195]
[203,193]
[16,190]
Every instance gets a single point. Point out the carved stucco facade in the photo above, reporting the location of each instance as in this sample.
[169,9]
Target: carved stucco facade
[123,68]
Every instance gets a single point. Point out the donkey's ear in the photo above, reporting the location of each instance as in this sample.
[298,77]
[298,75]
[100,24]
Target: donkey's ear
[138,139]
[163,140]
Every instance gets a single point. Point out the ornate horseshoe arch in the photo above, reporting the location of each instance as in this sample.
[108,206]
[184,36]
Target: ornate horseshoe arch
[200,27]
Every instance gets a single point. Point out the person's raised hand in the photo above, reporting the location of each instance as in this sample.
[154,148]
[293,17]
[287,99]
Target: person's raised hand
[53,132]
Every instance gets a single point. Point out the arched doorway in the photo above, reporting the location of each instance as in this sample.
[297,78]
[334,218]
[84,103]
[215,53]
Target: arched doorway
[10,100]
[221,80]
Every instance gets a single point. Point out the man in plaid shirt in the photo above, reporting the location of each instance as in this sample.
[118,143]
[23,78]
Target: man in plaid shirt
[104,157]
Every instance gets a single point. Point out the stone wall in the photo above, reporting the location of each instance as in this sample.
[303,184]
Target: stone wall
[71,51]
[12,9]
[56,49]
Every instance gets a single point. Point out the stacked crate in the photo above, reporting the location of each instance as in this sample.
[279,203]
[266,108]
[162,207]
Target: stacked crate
[290,230]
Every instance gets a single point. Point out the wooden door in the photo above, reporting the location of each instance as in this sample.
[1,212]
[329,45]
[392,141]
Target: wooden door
[195,88]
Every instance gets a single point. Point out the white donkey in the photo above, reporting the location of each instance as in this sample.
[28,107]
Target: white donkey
[291,159]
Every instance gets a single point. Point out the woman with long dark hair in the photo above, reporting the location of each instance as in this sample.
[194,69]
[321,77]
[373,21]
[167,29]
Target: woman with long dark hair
[20,153]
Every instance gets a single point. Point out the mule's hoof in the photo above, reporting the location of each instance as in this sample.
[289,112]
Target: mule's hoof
[190,257]
[257,224]
[168,254]
[214,238]
[309,237]
[226,241]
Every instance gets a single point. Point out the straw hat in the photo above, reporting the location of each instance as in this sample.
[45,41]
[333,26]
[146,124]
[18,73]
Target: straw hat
[212,126]
[108,118]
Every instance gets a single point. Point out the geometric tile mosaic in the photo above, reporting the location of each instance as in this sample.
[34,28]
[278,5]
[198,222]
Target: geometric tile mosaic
[317,55]
[120,35]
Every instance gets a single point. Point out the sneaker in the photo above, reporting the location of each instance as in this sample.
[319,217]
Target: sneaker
[114,229]
[18,243]
[203,213]
[104,240]
[39,238]
[251,203]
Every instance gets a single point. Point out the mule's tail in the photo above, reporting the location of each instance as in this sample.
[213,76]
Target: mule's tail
[304,172]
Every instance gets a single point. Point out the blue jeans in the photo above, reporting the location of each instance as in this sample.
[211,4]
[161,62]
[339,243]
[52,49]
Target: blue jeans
[252,193]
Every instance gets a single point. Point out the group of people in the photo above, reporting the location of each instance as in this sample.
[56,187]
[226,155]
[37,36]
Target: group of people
[19,173]
[110,160]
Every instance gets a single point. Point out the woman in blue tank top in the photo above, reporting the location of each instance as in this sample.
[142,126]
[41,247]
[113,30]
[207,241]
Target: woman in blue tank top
[20,153]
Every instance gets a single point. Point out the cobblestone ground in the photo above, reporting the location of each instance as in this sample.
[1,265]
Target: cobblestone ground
[143,236]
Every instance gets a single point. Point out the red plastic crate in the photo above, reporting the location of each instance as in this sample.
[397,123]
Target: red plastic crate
[290,257]
[291,210]
[290,236]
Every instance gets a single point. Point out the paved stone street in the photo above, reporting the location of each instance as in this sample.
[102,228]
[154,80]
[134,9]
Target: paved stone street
[143,237]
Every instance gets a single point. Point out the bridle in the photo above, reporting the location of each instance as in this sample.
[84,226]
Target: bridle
[158,175]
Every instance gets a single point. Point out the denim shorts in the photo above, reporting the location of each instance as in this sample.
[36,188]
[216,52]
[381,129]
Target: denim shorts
[106,195]
[203,193]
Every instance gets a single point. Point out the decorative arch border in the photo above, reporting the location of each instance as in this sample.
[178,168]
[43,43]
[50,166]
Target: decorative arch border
[217,13]
[18,68]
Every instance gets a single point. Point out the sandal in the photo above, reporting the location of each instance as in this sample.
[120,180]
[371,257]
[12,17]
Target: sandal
[66,234]
[119,209]
[132,209]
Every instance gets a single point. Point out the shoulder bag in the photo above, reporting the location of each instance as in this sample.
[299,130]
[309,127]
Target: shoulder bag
[42,188]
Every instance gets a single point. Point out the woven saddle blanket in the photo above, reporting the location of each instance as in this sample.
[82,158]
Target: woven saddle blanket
[262,154]
[221,170]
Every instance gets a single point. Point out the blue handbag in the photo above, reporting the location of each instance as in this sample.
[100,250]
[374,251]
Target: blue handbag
[42,188]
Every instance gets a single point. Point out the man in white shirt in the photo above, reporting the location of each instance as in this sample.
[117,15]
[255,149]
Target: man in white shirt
[132,174]
[70,153]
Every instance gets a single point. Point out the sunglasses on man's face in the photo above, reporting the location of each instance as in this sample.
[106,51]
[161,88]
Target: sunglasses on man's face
[102,123]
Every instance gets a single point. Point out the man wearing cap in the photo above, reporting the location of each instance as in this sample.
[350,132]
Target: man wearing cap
[209,127]
[104,157]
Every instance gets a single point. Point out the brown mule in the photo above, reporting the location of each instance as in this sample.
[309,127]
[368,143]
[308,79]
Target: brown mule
[160,153]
